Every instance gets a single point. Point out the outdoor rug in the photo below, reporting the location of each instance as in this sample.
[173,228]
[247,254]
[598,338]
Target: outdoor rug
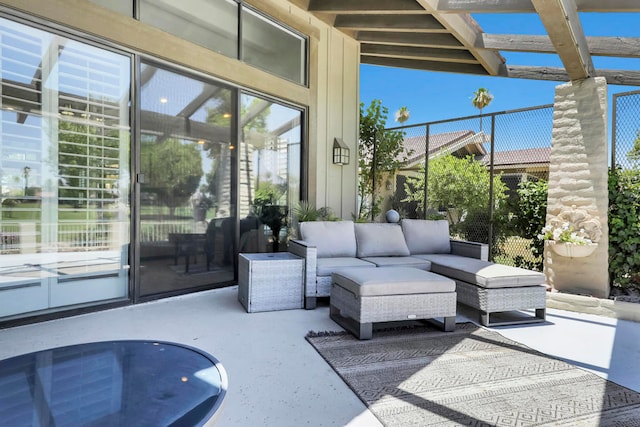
[422,376]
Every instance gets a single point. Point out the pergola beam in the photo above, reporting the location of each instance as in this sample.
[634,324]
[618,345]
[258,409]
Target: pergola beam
[463,27]
[560,19]
[613,77]
[526,6]
[624,47]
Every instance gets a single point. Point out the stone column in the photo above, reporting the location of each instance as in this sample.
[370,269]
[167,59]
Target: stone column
[578,174]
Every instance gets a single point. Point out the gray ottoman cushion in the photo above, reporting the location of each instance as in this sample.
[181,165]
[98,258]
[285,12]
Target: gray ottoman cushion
[368,282]
[483,273]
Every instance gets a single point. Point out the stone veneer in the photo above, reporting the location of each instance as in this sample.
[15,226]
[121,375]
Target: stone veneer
[578,176]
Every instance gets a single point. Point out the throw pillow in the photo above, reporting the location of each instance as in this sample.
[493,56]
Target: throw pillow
[427,236]
[379,239]
[331,238]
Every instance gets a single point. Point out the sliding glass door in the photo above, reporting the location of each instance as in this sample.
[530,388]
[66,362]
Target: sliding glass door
[187,158]
[64,163]
[269,173]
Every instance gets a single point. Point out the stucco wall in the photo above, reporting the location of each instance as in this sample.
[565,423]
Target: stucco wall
[331,98]
[578,177]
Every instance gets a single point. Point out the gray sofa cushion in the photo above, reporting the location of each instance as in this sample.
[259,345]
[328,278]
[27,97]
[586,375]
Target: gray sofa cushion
[399,261]
[391,281]
[331,238]
[426,236]
[326,266]
[380,239]
[483,273]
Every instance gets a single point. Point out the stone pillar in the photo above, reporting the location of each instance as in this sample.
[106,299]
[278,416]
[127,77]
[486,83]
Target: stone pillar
[578,174]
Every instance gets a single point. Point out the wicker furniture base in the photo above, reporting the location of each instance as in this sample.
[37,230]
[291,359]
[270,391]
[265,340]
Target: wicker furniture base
[497,300]
[270,281]
[358,313]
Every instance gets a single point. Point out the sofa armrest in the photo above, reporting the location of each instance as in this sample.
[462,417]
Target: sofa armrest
[310,255]
[470,249]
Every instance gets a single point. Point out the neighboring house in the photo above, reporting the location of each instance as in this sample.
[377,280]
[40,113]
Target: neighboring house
[529,164]
[514,166]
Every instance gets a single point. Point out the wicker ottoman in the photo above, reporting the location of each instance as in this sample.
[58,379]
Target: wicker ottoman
[363,296]
[503,294]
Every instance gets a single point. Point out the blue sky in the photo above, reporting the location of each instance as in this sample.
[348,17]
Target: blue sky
[432,96]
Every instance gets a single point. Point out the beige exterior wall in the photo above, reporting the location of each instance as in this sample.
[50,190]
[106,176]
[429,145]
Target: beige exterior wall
[331,98]
[578,177]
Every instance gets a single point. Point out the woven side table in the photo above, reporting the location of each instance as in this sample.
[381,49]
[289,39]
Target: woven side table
[270,281]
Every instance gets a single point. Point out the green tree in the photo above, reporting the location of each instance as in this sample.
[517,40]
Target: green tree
[173,170]
[481,99]
[459,183]
[388,156]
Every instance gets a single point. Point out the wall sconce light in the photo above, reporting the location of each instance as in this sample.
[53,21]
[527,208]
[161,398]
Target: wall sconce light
[340,152]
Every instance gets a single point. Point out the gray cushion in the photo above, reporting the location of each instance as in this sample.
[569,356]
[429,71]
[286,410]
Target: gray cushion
[326,266]
[331,238]
[483,273]
[399,261]
[391,281]
[427,236]
[380,239]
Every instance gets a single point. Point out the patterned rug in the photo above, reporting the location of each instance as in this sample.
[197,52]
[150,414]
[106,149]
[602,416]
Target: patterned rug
[474,377]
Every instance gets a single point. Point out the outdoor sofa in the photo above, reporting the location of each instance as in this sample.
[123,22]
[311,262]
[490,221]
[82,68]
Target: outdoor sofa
[333,246]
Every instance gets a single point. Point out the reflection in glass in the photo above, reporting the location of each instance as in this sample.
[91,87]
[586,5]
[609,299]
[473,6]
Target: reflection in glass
[187,218]
[64,160]
[211,24]
[271,47]
[269,175]
[124,7]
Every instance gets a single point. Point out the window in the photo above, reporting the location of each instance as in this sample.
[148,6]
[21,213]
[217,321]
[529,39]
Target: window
[269,46]
[265,44]
[211,24]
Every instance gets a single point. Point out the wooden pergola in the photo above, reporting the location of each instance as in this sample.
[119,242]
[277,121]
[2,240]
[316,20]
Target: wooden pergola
[441,35]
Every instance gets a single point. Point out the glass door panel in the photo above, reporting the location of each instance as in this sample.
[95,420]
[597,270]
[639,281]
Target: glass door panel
[269,174]
[64,160]
[187,214]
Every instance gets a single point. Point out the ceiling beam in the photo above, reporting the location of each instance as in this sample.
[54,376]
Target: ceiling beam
[526,6]
[623,47]
[414,52]
[435,40]
[467,31]
[389,22]
[416,64]
[378,7]
[560,19]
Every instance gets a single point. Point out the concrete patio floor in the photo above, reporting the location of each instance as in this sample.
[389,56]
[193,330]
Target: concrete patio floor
[277,379]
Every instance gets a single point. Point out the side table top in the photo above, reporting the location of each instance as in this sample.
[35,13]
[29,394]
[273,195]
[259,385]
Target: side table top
[112,383]
[274,256]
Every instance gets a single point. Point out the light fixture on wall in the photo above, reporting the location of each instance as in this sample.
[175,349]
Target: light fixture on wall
[340,152]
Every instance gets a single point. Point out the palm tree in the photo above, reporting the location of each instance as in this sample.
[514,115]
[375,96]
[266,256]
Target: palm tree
[402,115]
[481,98]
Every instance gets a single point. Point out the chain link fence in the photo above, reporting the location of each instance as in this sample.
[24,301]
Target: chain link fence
[474,167]
[625,134]
[473,170]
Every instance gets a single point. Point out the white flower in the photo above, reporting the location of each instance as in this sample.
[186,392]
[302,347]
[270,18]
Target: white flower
[564,233]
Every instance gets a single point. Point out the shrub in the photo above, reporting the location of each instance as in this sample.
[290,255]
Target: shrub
[624,228]
[530,212]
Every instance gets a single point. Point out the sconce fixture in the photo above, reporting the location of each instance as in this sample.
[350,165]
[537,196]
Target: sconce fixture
[340,152]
